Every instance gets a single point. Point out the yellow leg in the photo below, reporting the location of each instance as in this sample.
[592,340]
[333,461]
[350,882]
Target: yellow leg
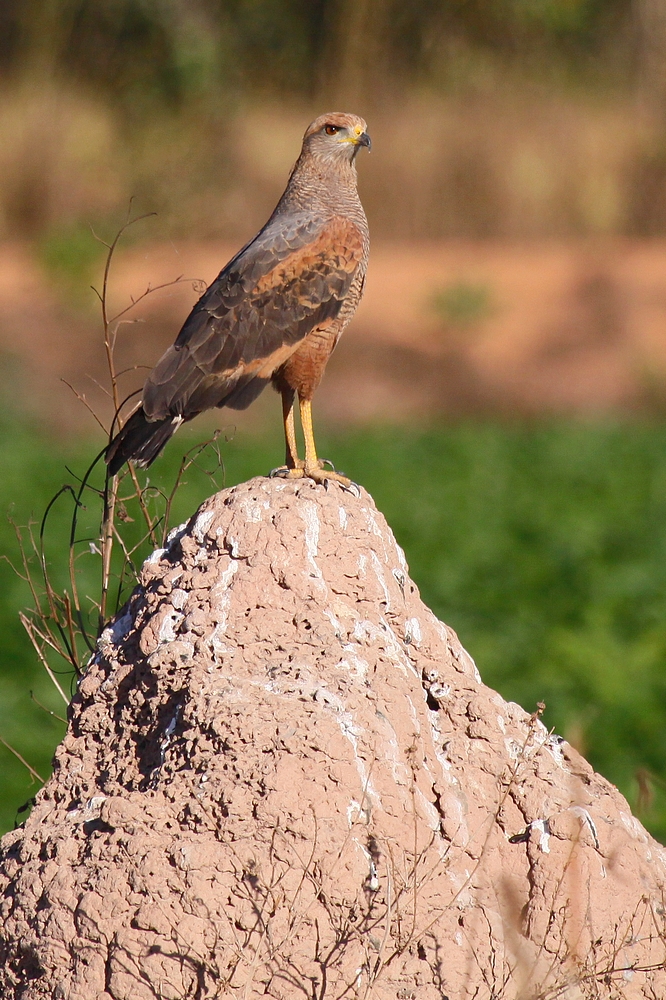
[311,461]
[293,467]
[292,460]
[314,468]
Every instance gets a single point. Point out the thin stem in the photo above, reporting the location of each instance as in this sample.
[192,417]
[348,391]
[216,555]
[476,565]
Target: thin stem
[107,549]
[30,629]
[23,761]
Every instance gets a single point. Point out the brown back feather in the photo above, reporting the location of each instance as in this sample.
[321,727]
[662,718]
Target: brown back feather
[293,277]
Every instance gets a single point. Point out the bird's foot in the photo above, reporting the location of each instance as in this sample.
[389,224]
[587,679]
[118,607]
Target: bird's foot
[323,472]
[288,471]
[320,474]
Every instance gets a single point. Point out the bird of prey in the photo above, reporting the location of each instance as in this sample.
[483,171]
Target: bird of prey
[273,314]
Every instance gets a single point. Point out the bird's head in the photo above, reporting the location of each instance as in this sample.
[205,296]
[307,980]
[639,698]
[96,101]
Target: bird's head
[336,137]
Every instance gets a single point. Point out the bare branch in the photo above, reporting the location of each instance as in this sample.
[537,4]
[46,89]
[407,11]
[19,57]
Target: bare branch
[149,291]
[23,761]
[82,399]
[30,629]
[47,710]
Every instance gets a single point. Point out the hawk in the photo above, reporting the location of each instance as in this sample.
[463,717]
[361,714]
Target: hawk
[273,314]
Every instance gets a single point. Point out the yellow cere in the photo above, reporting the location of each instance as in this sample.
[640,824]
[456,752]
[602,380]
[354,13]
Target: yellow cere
[353,138]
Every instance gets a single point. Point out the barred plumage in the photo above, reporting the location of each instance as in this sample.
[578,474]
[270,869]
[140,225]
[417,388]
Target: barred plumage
[274,313]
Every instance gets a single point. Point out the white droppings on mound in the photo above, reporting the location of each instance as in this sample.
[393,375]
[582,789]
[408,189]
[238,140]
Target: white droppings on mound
[284,777]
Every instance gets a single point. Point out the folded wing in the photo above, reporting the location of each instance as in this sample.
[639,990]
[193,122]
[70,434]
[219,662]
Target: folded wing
[254,315]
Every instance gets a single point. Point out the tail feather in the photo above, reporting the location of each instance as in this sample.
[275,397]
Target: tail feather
[140,440]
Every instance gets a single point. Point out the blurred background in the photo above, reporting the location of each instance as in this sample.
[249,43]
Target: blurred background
[502,390]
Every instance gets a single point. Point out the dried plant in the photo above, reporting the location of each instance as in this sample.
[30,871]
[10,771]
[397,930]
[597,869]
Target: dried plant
[114,521]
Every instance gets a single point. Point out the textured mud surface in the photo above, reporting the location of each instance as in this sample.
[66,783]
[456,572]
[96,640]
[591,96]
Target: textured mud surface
[283,777]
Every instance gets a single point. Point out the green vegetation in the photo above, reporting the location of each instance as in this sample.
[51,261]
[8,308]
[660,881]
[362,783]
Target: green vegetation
[463,304]
[166,54]
[71,256]
[544,546]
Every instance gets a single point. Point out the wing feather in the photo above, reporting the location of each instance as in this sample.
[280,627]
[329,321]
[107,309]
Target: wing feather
[293,277]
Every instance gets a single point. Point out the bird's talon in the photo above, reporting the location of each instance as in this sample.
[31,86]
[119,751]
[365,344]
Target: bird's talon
[317,475]
[323,462]
[353,488]
[285,472]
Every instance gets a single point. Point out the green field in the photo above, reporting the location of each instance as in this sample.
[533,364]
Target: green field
[544,546]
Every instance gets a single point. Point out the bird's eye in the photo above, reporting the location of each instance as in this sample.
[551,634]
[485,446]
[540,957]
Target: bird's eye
[331,129]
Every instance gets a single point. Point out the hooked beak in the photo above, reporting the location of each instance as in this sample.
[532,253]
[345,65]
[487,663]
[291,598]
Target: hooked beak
[358,139]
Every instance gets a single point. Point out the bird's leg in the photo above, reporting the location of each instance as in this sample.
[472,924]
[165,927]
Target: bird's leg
[314,467]
[292,460]
[293,467]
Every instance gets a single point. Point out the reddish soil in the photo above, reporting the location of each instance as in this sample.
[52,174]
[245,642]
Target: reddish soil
[561,328]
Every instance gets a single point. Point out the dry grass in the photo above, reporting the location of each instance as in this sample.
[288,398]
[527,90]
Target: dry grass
[507,159]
